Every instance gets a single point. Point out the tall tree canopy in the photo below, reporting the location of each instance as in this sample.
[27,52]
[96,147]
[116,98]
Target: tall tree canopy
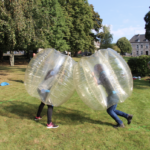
[52,22]
[61,24]
[116,48]
[107,39]
[28,25]
[147,25]
[79,20]
[124,45]
[97,25]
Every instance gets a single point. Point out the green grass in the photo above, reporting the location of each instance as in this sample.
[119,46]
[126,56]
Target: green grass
[77,58]
[80,128]
[127,58]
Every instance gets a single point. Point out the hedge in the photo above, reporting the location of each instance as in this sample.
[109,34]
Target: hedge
[139,66]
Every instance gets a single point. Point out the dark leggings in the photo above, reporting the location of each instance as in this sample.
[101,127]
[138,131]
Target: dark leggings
[49,111]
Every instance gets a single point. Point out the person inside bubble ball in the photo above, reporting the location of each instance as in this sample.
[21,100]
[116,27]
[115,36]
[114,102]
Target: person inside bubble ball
[43,91]
[112,96]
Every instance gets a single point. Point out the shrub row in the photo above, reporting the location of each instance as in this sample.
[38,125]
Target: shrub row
[139,66]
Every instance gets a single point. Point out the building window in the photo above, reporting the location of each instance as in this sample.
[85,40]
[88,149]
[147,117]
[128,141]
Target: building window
[137,53]
[137,46]
[141,46]
[141,52]
[146,46]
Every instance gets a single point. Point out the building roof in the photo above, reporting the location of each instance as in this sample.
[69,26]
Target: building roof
[138,38]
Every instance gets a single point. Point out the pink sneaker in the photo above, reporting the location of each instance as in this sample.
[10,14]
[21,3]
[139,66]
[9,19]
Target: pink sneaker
[51,125]
[38,118]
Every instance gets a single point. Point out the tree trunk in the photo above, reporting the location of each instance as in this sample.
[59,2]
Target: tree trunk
[11,59]
[75,54]
[28,54]
[1,56]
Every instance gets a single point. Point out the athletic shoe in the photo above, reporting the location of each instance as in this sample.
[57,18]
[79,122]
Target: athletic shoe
[119,126]
[129,118]
[52,125]
[38,118]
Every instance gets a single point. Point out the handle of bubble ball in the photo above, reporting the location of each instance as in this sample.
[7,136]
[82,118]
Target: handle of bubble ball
[43,91]
[114,92]
[47,91]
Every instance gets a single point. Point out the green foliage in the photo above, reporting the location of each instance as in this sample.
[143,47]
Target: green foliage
[116,48]
[139,66]
[79,21]
[52,21]
[61,24]
[97,25]
[107,39]
[124,45]
[147,25]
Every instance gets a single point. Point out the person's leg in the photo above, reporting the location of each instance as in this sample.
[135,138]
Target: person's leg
[49,117]
[49,113]
[112,113]
[122,114]
[40,109]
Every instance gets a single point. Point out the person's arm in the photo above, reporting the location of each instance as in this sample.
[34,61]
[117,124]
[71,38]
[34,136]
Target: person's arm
[108,84]
[95,78]
[48,75]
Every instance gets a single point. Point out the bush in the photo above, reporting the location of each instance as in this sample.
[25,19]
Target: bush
[139,66]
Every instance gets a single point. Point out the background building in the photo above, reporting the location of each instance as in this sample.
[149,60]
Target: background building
[140,45]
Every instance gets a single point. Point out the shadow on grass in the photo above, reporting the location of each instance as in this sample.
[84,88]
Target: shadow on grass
[141,84]
[13,68]
[21,81]
[75,117]
[65,116]
[3,74]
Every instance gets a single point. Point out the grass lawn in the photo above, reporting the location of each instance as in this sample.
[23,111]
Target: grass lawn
[80,128]
[127,58]
[76,58]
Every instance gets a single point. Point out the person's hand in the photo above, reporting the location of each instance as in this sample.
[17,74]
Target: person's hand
[94,78]
[93,73]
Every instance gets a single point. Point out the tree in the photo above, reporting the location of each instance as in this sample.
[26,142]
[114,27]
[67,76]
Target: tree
[7,36]
[31,24]
[97,25]
[147,25]
[107,39]
[116,48]
[124,45]
[13,27]
[79,21]
[50,20]
[58,25]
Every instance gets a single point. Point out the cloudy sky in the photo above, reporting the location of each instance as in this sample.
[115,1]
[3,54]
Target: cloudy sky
[125,17]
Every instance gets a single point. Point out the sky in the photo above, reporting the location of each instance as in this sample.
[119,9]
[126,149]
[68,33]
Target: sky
[125,17]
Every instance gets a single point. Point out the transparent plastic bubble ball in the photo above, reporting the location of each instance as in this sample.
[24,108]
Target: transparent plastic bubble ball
[103,79]
[49,77]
